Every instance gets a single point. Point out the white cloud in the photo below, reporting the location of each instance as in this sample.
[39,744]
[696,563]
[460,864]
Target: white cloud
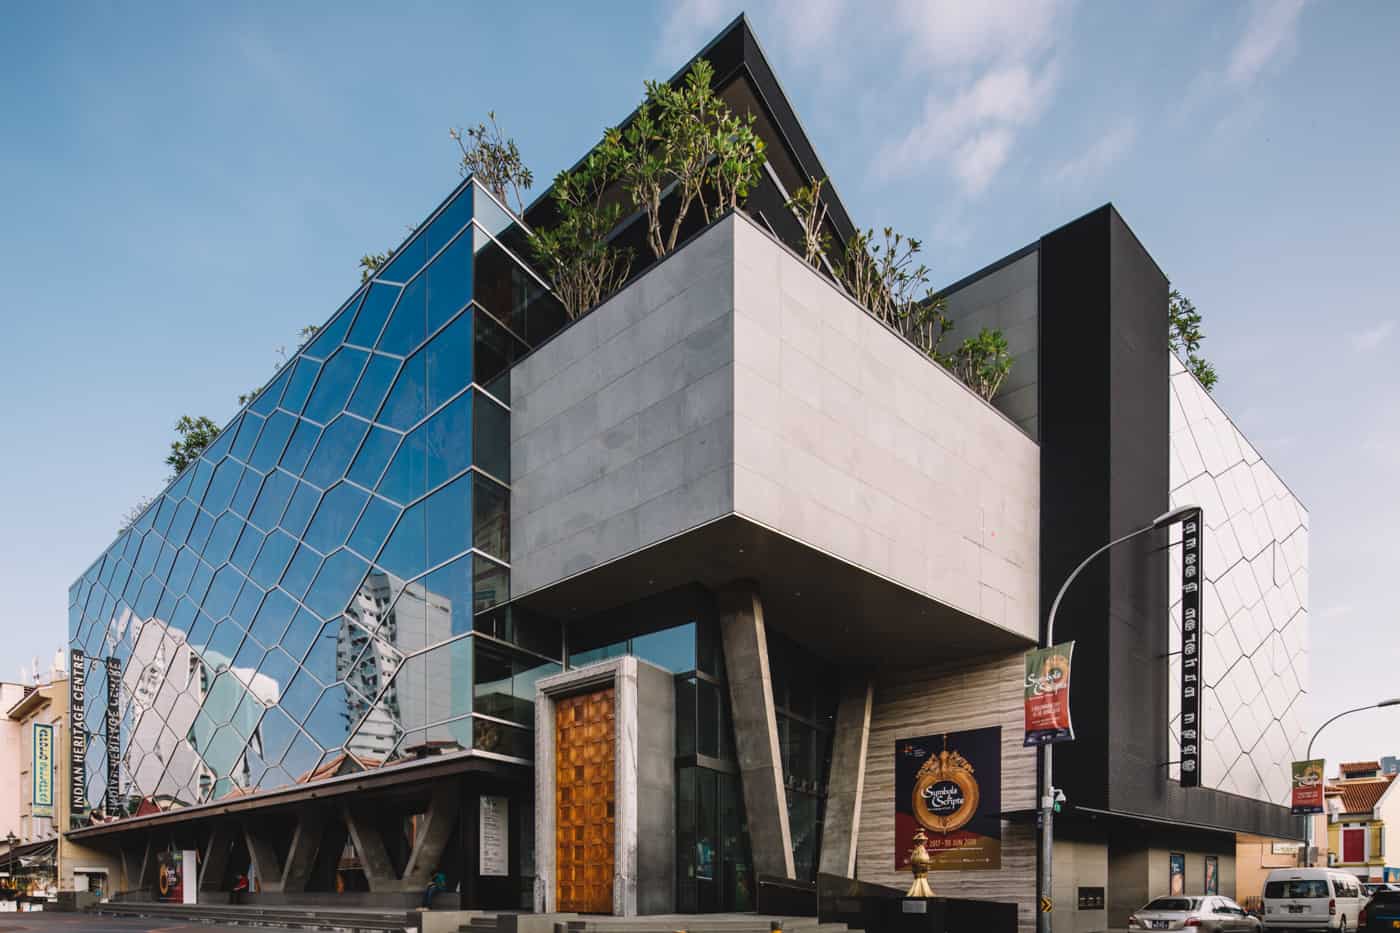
[992,70]
[1372,337]
[1094,161]
[691,24]
[1270,34]
[808,25]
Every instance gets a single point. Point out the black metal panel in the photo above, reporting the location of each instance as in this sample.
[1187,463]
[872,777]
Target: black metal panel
[1105,449]
[1074,481]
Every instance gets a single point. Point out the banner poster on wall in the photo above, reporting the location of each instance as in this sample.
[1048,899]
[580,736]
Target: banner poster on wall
[1047,695]
[42,769]
[170,877]
[1308,787]
[1176,873]
[950,786]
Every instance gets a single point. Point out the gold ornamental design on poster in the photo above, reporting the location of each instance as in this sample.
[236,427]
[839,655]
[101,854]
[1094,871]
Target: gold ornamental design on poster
[945,793]
[948,789]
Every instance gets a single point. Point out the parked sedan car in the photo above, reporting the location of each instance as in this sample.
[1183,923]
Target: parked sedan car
[1382,912]
[1207,914]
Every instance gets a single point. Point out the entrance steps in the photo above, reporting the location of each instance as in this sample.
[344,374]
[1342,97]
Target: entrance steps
[289,917]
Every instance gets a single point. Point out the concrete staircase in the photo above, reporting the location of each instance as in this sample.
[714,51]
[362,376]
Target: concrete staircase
[344,920]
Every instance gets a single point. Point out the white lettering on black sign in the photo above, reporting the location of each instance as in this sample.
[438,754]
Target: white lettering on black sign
[1191,577]
[77,732]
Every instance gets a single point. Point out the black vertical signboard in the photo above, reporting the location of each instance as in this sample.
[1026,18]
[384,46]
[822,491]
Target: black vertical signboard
[114,736]
[1191,681]
[77,735]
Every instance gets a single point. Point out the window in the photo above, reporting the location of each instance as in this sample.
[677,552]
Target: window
[1353,845]
[1296,888]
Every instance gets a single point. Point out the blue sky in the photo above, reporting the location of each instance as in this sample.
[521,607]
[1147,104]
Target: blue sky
[184,186]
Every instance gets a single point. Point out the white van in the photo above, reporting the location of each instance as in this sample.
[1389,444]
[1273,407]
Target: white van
[1312,899]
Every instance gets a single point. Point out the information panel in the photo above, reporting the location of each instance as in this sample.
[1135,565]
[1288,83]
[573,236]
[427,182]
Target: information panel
[495,836]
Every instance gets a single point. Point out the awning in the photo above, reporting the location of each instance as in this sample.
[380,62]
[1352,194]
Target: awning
[35,856]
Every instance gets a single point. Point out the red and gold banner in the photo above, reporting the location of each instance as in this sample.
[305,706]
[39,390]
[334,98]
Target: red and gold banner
[1047,695]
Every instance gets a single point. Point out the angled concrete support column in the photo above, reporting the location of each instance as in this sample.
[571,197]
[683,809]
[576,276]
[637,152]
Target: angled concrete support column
[369,845]
[301,854]
[434,831]
[266,864]
[214,866]
[841,826]
[756,729]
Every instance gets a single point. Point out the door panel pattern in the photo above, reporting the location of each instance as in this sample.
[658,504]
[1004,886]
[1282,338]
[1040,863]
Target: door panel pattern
[585,799]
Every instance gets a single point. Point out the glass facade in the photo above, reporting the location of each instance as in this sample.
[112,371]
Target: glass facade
[323,591]
[806,711]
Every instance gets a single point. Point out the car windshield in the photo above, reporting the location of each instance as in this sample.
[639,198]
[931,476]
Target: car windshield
[1295,888]
[1172,903]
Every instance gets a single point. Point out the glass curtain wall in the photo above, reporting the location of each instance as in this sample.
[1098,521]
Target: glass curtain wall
[806,711]
[323,591]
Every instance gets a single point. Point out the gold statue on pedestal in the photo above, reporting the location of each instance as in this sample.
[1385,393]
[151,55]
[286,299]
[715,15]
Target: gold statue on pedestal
[918,864]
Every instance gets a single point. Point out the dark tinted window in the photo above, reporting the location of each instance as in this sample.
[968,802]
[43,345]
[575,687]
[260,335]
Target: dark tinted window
[1172,903]
[1295,889]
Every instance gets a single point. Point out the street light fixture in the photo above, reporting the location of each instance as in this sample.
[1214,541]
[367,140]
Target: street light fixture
[1308,835]
[1046,760]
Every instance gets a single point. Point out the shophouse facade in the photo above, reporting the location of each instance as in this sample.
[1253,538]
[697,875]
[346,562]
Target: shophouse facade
[630,612]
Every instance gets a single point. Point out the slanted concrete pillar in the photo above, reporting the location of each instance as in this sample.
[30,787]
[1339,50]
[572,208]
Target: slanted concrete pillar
[434,832]
[214,866]
[263,854]
[756,729]
[369,845]
[135,856]
[847,784]
[301,854]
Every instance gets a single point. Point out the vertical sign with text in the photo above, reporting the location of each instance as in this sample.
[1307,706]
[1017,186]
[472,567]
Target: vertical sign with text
[77,735]
[42,769]
[114,736]
[1191,674]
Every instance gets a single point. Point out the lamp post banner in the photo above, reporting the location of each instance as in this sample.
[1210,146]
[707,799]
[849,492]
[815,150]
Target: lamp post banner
[949,786]
[1191,674]
[42,769]
[1047,695]
[1308,786]
[77,734]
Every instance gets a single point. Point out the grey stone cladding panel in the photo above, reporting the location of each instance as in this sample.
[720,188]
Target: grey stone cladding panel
[733,379]
[849,439]
[1006,299]
[622,425]
[1254,605]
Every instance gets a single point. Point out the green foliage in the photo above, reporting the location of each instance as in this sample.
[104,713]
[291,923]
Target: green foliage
[495,160]
[684,139]
[983,362]
[195,435]
[584,267]
[807,206]
[1184,337]
[133,513]
[882,276]
[371,263]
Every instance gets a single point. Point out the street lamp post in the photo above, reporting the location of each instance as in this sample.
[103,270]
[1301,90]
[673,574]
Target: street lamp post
[1046,759]
[1308,833]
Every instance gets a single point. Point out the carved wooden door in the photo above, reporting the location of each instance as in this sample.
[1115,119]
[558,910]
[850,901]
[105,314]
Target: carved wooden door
[585,794]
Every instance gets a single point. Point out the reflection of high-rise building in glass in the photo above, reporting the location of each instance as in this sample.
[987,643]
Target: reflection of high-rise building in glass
[306,597]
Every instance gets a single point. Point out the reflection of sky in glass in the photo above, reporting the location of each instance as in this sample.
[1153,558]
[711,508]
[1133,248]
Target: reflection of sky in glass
[299,602]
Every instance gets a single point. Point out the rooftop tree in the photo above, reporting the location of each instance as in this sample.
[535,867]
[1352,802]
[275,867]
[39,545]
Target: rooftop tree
[1184,337]
[494,159]
[576,253]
